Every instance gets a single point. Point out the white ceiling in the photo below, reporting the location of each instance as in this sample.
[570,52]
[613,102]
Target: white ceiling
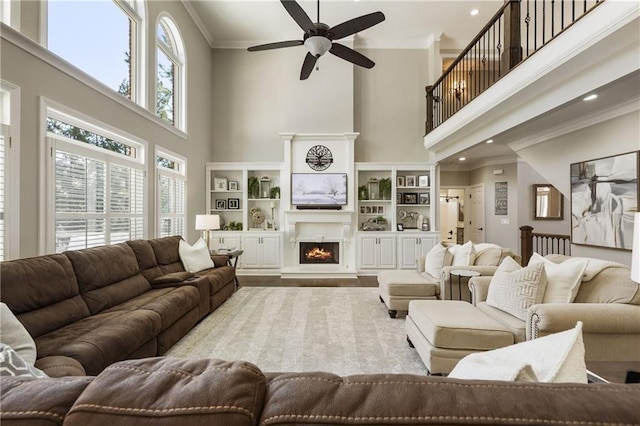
[408,24]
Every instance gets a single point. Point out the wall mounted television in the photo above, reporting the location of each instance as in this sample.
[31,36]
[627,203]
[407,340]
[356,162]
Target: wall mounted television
[318,190]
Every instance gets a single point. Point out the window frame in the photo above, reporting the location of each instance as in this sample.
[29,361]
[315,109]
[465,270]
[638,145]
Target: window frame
[180,174]
[49,143]
[179,76]
[12,9]
[12,168]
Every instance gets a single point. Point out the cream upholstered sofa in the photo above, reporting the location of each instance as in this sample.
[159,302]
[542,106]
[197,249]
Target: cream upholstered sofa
[607,302]
[398,287]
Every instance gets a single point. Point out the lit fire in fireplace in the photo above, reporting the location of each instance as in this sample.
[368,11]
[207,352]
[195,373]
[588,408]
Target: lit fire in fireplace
[318,253]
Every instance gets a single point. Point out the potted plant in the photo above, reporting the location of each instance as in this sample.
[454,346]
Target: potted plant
[253,187]
[363,192]
[385,188]
[275,192]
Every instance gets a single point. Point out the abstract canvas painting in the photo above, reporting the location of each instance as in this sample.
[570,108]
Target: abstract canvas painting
[604,197]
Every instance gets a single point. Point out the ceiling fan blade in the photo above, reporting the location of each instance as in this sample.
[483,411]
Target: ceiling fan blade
[356,25]
[299,15]
[277,45]
[307,66]
[351,55]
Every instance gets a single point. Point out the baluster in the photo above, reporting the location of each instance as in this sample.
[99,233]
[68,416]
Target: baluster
[535,25]
[562,16]
[527,21]
[500,47]
[553,12]
[585,7]
[544,21]
[573,10]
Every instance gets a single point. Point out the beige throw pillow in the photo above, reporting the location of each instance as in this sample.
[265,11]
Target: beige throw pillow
[195,258]
[463,255]
[13,334]
[563,279]
[435,260]
[514,289]
[556,358]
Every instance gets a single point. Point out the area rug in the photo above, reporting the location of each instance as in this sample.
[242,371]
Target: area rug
[293,329]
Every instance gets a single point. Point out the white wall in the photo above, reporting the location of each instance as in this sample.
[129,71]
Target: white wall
[505,235]
[552,159]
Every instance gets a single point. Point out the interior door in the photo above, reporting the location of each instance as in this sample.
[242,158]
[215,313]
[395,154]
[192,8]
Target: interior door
[476,213]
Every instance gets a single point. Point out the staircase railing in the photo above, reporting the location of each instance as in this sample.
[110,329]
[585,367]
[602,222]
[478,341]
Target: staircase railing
[518,30]
[543,244]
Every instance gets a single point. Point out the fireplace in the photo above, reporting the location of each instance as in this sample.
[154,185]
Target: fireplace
[319,253]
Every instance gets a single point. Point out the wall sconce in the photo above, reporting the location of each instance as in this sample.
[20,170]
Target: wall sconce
[458,88]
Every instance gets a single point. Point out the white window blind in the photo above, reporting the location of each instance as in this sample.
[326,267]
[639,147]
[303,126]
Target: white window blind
[99,198]
[171,195]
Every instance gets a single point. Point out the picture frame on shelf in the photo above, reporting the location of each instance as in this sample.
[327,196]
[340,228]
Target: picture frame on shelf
[400,227]
[410,180]
[221,204]
[367,210]
[220,184]
[380,209]
[233,203]
[423,181]
[362,210]
[233,185]
[424,198]
[410,198]
[270,225]
[398,197]
[400,181]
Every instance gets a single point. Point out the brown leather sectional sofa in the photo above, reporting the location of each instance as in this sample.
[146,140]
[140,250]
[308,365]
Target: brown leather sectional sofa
[168,392]
[107,304]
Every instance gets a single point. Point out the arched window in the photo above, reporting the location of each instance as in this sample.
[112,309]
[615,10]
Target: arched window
[170,72]
[105,39]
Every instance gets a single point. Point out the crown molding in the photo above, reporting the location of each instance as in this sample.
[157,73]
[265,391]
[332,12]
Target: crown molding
[595,117]
[196,19]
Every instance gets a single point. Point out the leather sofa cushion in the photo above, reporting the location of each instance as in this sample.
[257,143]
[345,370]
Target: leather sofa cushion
[170,303]
[453,324]
[100,340]
[158,256]
[218,277]
[407,283]
[173,392]
[107,275]
[42,292]
[174,277]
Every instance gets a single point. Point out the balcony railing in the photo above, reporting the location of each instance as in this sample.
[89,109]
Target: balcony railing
[518,30]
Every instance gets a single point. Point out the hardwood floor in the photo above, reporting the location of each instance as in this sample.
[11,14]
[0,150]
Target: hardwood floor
[274,281]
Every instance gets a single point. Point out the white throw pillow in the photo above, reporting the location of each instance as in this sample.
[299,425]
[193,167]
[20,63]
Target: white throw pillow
[556,358]
[563,279]
[435,259]
[195,258]
[13,334]
[514,289]
[463,255]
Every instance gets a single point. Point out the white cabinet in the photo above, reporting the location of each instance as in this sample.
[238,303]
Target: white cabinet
[376,251]
[413,245]
[224,240]
[261,250]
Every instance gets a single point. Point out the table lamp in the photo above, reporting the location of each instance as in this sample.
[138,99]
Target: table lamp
[207,223]
[635,253]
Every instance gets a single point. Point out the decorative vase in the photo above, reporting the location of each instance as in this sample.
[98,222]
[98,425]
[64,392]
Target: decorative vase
[420,221]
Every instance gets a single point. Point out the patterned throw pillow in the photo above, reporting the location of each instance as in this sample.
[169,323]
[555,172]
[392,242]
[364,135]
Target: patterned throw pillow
[514,289]
[12,364]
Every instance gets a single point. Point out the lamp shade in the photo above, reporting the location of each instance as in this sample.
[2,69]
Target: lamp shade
[206,222]
[635,253]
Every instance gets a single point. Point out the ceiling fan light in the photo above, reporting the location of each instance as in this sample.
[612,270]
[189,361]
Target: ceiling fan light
[317,45]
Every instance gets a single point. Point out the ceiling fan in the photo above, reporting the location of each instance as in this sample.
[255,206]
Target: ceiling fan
[319,37]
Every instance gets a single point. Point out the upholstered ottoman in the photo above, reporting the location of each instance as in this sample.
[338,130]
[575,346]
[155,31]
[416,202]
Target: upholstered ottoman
[398,287]
[444,331]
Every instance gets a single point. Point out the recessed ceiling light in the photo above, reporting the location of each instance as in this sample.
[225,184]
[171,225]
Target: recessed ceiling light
[590,97]
[462,158]
[490,141]
[474,12]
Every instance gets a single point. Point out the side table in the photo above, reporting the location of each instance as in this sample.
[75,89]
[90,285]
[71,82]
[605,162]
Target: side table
[232,256]
[460,273]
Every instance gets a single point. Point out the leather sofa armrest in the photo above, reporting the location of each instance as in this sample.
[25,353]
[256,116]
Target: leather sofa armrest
[219,260]
[60,366]
[600,318]
[445,276]
[479,288]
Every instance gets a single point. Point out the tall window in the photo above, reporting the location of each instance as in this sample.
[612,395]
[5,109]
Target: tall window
[97,186]
[9,175]
[171,190]
[100,38]
[169,73]
[10,12]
